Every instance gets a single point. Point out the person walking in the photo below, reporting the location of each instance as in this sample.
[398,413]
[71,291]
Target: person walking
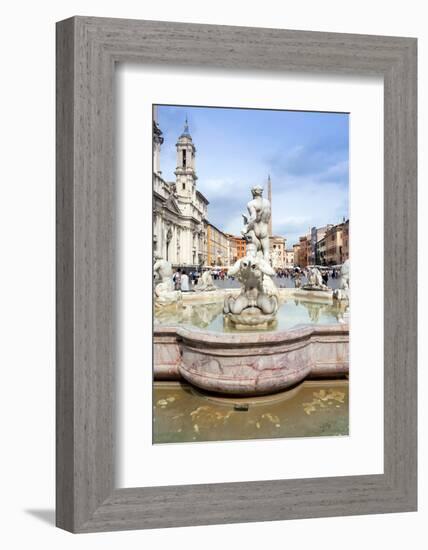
[184,282]
[177,280]
[325,277]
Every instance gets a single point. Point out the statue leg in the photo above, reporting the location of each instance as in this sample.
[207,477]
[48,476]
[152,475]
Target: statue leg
[265,248]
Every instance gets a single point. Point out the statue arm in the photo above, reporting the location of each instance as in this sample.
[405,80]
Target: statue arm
[266,268]
[234,269]
[253,215]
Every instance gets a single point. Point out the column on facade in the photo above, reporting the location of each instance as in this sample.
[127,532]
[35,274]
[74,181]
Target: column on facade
[156,239]
[178,240]
[173,244]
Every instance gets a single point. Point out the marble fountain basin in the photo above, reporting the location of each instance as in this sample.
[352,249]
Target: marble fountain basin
[250,363]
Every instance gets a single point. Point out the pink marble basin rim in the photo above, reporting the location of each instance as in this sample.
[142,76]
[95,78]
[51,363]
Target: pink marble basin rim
[257,338]
[250,363]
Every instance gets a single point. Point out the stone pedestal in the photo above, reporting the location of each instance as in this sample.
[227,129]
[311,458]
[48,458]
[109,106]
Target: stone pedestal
[250,319]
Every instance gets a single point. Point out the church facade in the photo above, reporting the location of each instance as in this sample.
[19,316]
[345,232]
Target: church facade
[179,209]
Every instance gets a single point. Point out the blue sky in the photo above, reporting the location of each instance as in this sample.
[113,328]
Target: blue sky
[305,153]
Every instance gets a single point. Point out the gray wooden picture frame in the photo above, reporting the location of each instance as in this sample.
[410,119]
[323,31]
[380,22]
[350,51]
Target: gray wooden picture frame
[87,51]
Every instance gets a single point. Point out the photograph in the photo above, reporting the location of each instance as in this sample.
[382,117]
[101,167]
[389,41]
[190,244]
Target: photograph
[188,191]
[251,273]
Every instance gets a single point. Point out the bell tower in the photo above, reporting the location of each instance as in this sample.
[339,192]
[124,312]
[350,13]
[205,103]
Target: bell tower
[185,172]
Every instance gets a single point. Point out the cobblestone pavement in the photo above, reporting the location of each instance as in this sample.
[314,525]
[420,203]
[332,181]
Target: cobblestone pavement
[280,283]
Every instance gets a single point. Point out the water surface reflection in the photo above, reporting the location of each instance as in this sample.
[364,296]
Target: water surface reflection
[314,408]
[292,312]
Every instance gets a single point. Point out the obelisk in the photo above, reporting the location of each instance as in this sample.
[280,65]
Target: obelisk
[270,200]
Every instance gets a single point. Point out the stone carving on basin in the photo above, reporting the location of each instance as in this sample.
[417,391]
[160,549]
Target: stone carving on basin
[342,293]
[206,283]
[165,295]
[315,281]
[257,303]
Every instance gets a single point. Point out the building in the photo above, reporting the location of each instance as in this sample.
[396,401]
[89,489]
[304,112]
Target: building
[277,248]
[218,247]
[304,250]
[316,235]
[311,248]
[321,252]
[237,248]
[232,249]
[182,232]
[296,254]
[179,208]
[289,258]
[345,238]
[334,245]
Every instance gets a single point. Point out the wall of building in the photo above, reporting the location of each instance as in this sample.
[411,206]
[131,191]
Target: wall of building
[237,248]
[334,245]
[277,248]
[327,245]
[289,258]
[218,247]
[345,241]
[304,250]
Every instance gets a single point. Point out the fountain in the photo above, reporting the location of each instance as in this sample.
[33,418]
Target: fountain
[254,340]
[257,303]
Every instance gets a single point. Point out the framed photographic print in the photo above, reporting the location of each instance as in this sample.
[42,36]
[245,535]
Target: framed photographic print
[236,274]
[236,286]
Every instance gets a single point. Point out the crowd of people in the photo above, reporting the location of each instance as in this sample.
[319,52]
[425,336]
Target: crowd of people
[186,280]
[290,273]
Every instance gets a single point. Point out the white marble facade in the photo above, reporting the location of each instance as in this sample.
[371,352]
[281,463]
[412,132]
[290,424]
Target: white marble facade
[179,209]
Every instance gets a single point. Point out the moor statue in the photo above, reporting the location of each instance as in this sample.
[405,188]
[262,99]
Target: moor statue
[256,230]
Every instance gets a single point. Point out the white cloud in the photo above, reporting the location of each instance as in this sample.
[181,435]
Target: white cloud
[298,203]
